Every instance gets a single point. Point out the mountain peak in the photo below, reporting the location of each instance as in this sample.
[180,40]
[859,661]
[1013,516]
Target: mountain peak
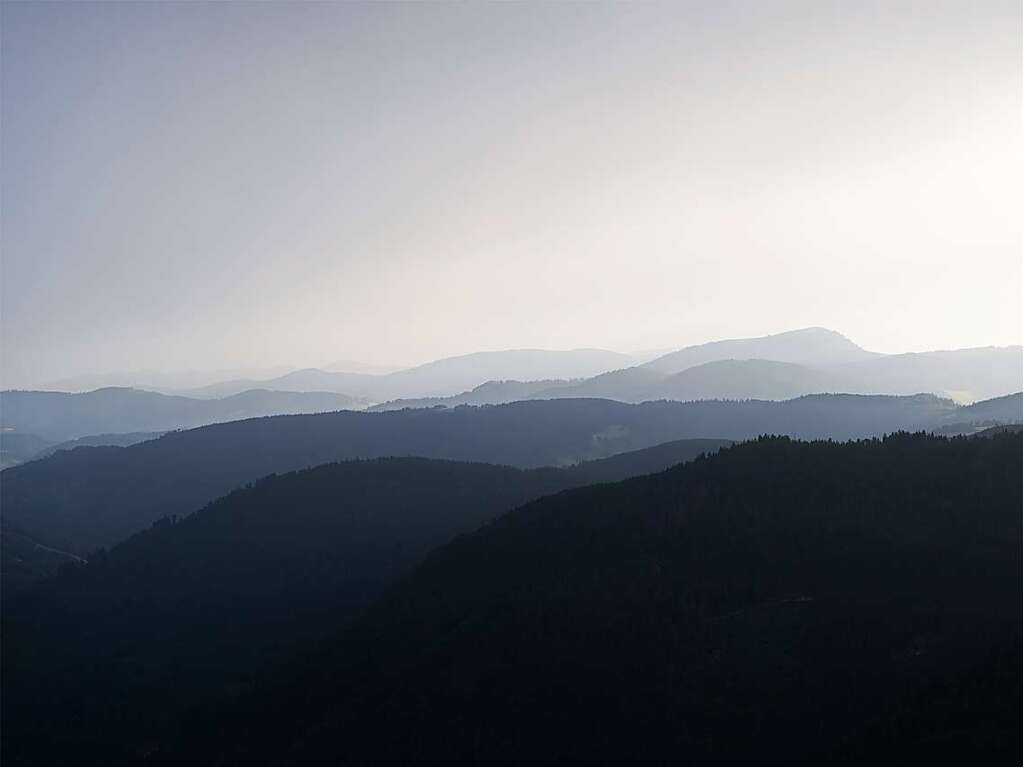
[812,346]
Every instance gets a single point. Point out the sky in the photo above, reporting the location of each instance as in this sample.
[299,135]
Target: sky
[213,185]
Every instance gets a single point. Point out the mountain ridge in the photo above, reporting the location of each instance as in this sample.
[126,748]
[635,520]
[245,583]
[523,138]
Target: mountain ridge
[807,346]
[443,377]
[81,499]
[65,416]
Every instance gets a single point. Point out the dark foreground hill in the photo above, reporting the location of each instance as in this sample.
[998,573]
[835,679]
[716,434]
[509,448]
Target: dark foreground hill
[90,497]
[777,603]
[106,654]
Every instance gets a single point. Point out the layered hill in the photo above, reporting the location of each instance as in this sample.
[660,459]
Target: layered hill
[489,393]
[81,499]
[742,379]
[17,447]
[456,374]
[780,366]
[625,385]
[30,554]
[100,440]
[966,375]
[59,416]
[963,374]
[814,347]
[440,378]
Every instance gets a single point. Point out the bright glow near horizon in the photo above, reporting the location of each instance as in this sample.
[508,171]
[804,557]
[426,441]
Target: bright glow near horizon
[224,185]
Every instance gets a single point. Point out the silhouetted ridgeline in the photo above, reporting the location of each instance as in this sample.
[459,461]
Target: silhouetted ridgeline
[90,497]
[776,603]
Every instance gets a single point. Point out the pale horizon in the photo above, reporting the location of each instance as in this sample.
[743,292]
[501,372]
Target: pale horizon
[225,186]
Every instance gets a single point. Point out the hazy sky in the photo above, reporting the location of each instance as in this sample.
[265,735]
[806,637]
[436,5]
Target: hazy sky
[190,185]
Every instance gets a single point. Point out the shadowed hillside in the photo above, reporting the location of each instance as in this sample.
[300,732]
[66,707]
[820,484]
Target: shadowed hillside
[209,600]
[777,603]
[81,499]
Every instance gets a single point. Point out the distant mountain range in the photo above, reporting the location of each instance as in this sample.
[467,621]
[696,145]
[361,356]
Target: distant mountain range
[817,347]
[158,380]
[58,416]
[779,367]
[440,378]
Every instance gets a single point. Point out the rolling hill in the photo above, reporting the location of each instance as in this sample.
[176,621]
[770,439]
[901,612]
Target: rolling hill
[964,374]
[440,378]
[742,379]
[489,393]
[456,374]
[81,499]
[783,366]
[815,347]
[59,417]
[625,385]
[100,440]
[17,447]
[721,379]
[27,557]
